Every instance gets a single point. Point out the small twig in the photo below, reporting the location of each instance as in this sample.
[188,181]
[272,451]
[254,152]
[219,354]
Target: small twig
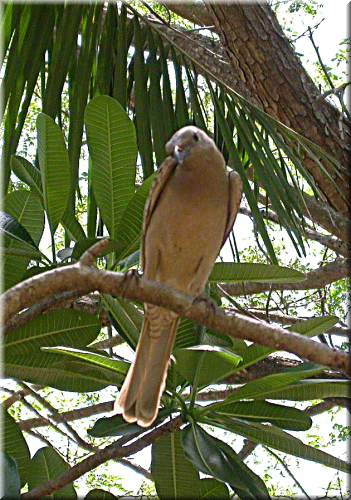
[281,461]
[306,31]
[89,256]
[310,36]
[15,396]
[109,452]
[59,419]
[71,415]
[154,13]
[236,304]
[122,461]
[45,420]
[110,338]
[340,491]
[247,449]
[110,342]
[326,405]
[336,90]
[42,438]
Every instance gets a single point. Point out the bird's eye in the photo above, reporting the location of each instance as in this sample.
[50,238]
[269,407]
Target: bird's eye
[196,137]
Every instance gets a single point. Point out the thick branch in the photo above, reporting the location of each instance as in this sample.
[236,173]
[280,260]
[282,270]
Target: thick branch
[284,319]
[338,246]
[113,451]
[318,278]
[329,219]
[89,304]
[131,286]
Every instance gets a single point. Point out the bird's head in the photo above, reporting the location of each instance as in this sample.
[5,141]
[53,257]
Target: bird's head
[189,141]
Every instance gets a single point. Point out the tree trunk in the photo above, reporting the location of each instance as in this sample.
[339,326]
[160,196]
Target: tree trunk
[264,63]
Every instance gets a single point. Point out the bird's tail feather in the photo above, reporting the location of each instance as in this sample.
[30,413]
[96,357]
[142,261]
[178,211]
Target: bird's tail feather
[142,389]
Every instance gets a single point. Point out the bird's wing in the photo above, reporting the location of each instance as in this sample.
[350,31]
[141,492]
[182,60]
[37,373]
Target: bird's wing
[235,193]
[164,173]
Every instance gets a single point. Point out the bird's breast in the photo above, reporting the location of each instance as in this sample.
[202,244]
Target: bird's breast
[187,226]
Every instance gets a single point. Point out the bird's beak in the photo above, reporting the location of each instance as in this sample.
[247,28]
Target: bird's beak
[180,153]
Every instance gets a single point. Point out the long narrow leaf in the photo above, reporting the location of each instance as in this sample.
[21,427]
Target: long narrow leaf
[112,146]
[55,169]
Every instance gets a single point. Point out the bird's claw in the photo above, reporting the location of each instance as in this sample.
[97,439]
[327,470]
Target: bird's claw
[130,275]
[210,306]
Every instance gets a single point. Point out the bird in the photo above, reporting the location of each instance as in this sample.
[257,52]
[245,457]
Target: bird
[189,213]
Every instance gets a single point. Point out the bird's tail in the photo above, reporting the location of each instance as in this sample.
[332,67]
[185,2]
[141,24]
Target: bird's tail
[141,392]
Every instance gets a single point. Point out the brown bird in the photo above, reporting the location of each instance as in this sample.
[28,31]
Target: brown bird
[190,212]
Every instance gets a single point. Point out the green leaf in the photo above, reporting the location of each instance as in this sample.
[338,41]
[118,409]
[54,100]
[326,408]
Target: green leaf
[80,84]
[181,107]
[211,456]
[125,318]
[284,417]
[27,173]
[12,230]
[262,387]
[172,472]
[308,390]
[314,326]
[112,146]
[18,243]
[12,486]
[45,368]
[120,77]
[261,273]
[61,327]
[142,117]
[72,226]
[169,118]
[117,426]
[275,438]
[130,227]
[221,361]
[98,494]
[46,465]
[113,426]
[15,445]
[91,358]
[236,162]
[159,137]
[26,208]
[211,488]
[188,334]
[55,169]
[62,52]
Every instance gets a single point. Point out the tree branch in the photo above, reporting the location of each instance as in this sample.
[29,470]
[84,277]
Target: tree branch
[284,319]
[326,405]
[131,286]
[247,449]
[328,218]
[113,451]
[318,278]
[338,246]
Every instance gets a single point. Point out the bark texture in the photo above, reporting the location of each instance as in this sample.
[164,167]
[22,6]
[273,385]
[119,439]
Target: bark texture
[258,61]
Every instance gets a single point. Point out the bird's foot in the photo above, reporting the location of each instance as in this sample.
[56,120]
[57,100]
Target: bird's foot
[210,306]
[130,276]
